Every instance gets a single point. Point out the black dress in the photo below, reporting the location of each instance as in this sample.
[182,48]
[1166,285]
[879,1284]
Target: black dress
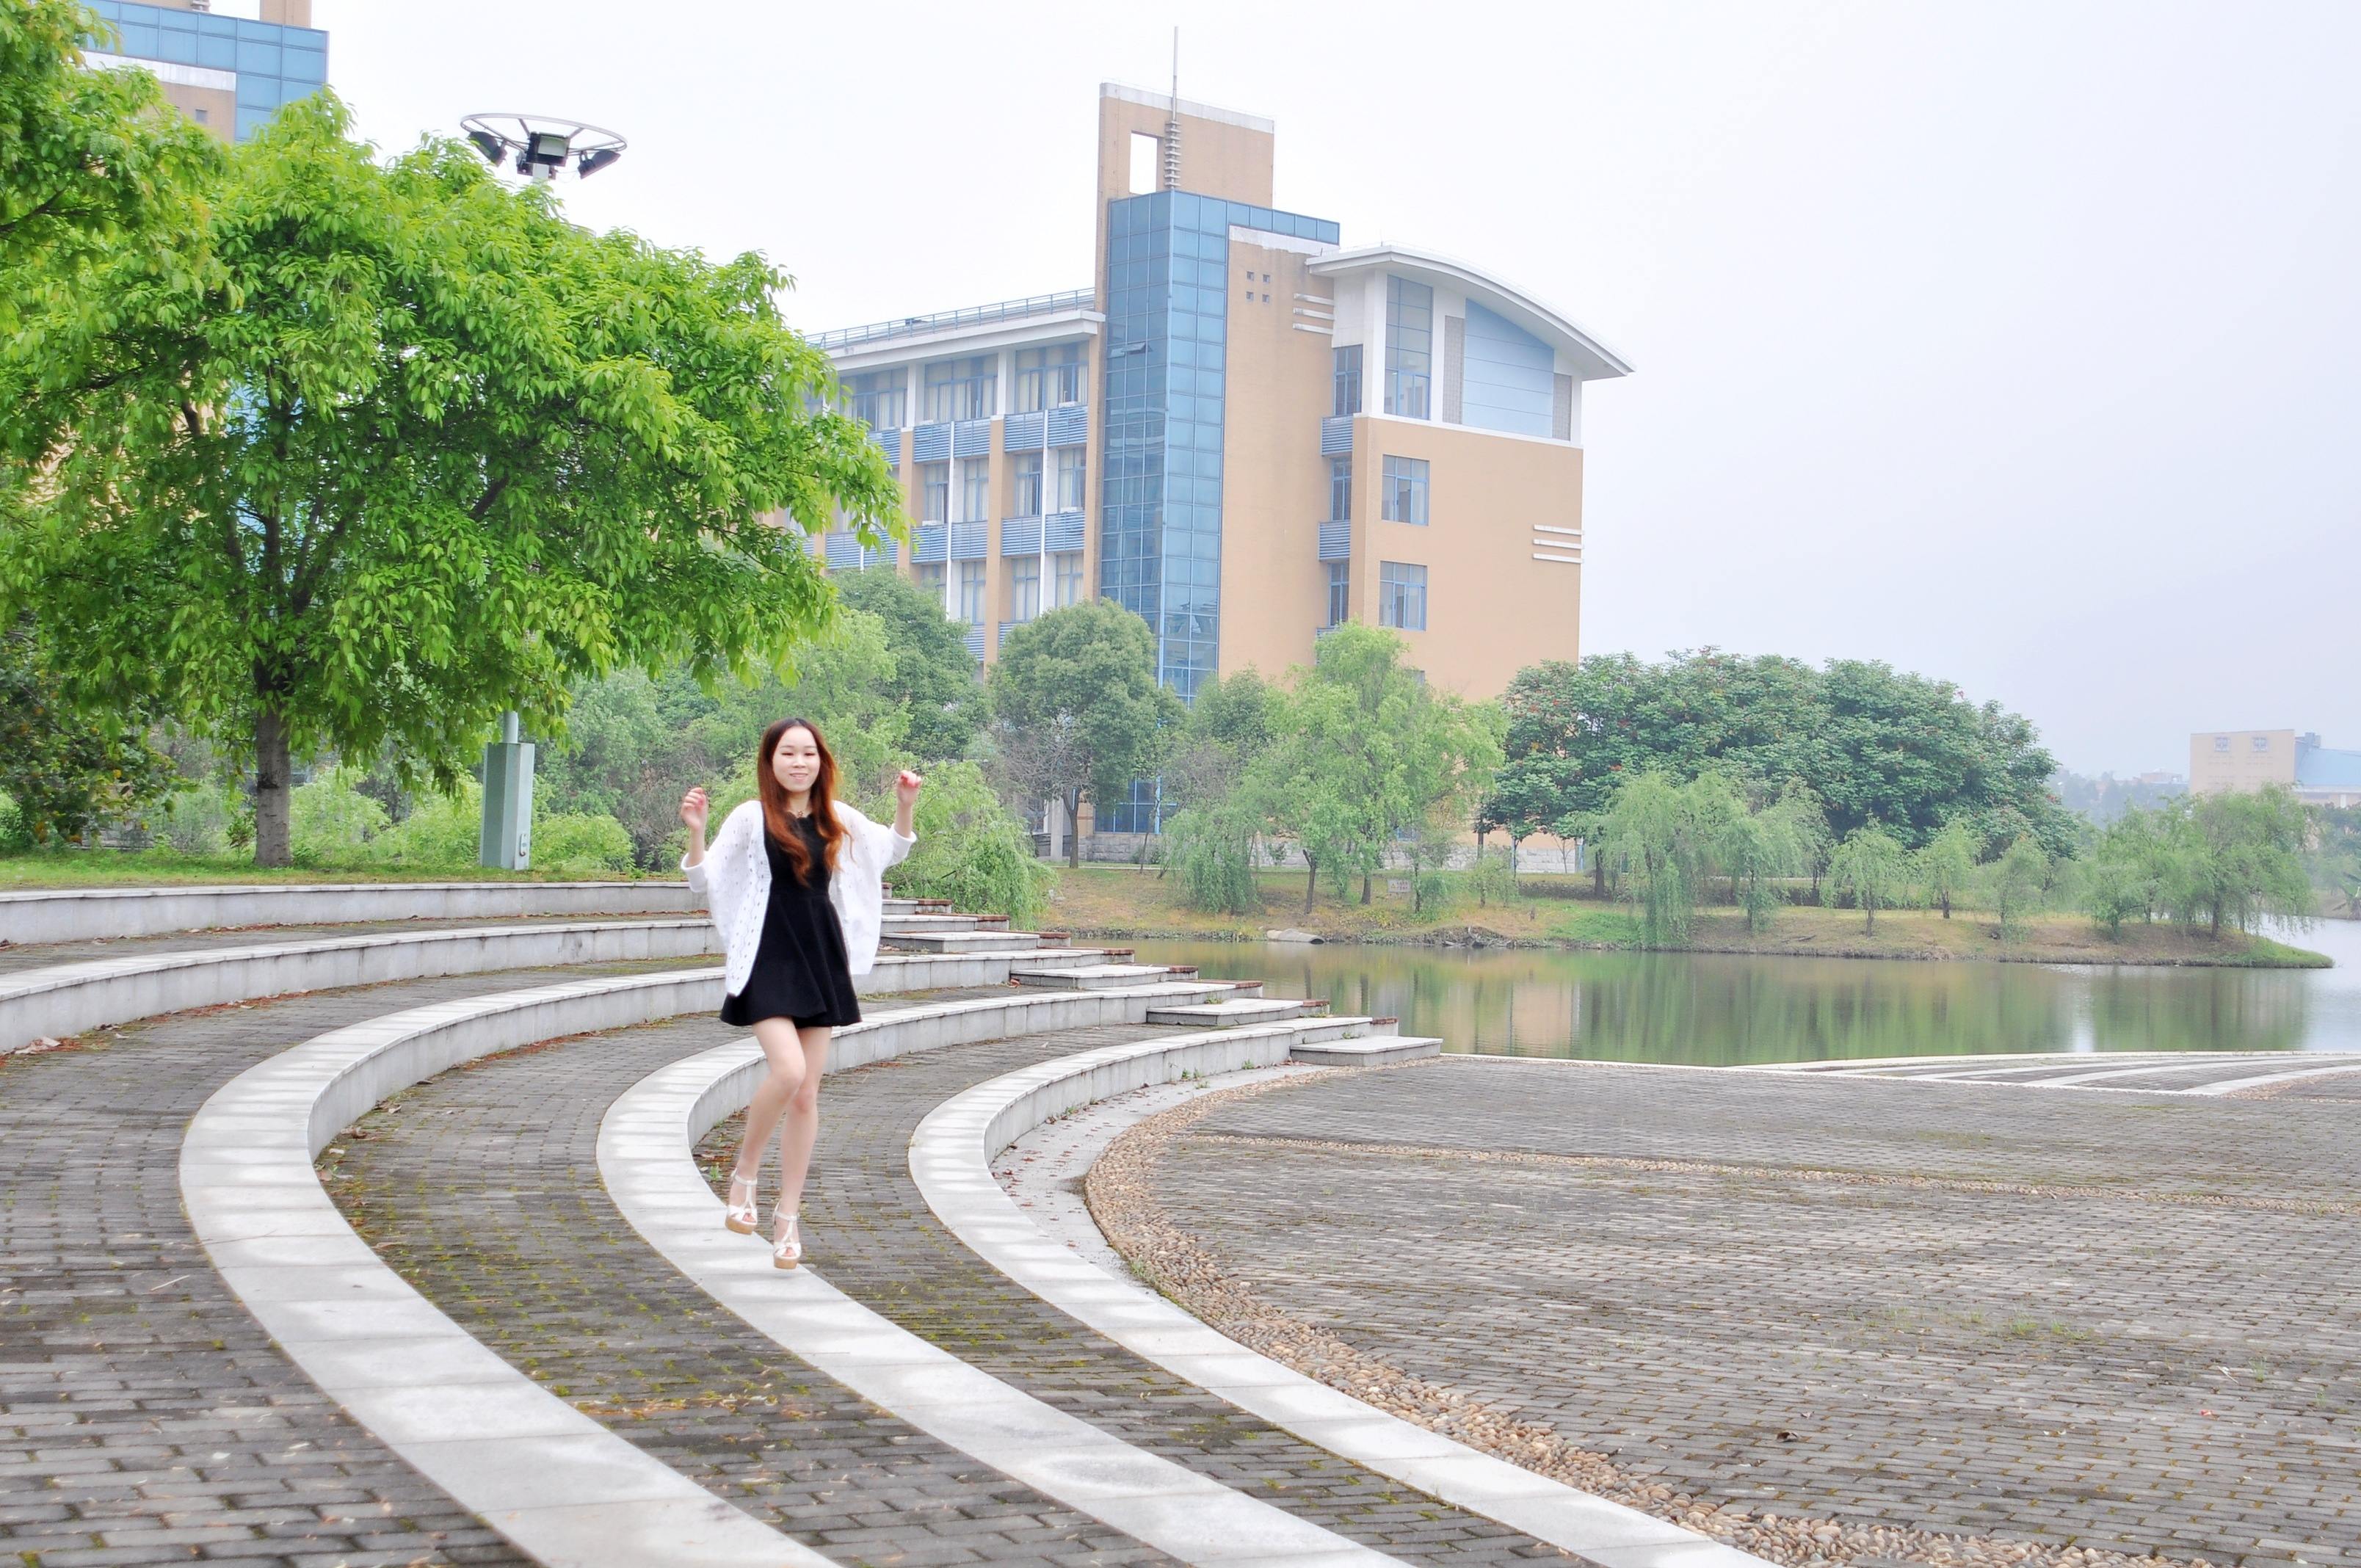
[801,972]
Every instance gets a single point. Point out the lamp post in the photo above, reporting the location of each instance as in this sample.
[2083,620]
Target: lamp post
[541,148]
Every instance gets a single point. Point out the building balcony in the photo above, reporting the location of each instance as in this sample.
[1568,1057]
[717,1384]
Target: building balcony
[1070,425]
[1336,436]
[975,640]
[972,438]
[1336,540]
[930,542]
[930,443]
[966,542]
[1024,433]
[1020,536]
[1063,532]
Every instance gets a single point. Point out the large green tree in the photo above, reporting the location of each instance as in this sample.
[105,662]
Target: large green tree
[386,447]
[1077,710]
[1870,744]
[934,674]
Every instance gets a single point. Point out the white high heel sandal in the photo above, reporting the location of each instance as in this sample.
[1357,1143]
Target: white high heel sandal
[741,1217]
[788,1249]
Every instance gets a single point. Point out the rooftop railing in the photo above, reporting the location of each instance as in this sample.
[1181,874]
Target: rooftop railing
[975,315]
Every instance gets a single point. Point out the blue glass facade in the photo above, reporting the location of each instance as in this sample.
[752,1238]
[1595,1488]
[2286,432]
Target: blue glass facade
[1161,522]
[275,64]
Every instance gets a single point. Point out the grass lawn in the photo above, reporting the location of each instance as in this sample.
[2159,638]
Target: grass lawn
[164,868]
[1113,900]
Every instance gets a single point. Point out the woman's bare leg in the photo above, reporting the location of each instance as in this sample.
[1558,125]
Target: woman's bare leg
[800,1128]
[785,1053]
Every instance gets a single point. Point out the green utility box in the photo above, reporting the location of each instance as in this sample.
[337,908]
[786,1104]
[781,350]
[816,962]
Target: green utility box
[507,840]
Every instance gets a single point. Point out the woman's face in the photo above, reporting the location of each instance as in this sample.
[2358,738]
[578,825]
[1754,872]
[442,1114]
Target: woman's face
[795,762]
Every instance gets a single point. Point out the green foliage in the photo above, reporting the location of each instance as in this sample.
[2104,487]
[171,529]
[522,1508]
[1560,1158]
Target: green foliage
[2239,857]
[580,844]
[14,837]
[1756,849]
[971,850]
[383,449]
[69,771]
[1650,836]
[934,676]
[2333,858]
[2016,881]
[1945,866]
[330,822]
[1491,880]
[1365,753]
[1868,871]
[204,819]
[1077,709]
[1212,846]
[95,166]
[443,831]
[1871,744]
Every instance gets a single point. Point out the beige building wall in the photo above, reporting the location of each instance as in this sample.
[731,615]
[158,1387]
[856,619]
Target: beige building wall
[215,108]
[1275,482]
[2240,761]
[1492,607]
[1221,155]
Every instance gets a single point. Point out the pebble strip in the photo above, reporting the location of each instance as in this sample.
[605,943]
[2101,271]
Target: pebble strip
[645,1154]
[950,1160]
[1121,1192]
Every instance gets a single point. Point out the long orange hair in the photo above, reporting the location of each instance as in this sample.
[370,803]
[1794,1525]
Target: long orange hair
[774,796]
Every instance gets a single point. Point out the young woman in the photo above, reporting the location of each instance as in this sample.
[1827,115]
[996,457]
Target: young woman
[794,882]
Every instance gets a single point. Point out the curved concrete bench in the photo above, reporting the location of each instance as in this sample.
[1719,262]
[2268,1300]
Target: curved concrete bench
[950,1160]
[647,1159]
[560,1487]
[79,914]
[66,998]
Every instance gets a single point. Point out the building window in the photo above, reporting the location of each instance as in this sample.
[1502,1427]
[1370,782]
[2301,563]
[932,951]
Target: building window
[962,388]
[1340,489]
[1023,587]
[1067,564]
[971,592]
[1028,484]
[975,488]
[1052,377]
[1402,596]
[2260,742]
[1409,347]
[934,492]
[1405,491]
[1348,398]
[879,397]
[1073,476]
[1340,592]
[929,575]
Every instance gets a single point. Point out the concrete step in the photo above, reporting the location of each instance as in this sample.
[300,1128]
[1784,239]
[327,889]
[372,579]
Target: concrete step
[1319,1031]
[1366,1050]
[918,907]
[1098,976]
[962,942]
[1234,1010]
[914,925]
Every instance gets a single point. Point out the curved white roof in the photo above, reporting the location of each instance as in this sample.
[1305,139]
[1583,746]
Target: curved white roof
[1594,361]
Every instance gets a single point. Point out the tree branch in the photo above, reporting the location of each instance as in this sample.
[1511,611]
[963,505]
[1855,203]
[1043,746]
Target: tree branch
[492,493]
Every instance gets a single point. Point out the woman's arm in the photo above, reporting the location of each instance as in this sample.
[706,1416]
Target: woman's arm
[905,803]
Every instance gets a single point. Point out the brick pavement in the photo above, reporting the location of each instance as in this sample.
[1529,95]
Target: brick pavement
[871,1234]
[144,1417]
[2108,1320]
[481,1188]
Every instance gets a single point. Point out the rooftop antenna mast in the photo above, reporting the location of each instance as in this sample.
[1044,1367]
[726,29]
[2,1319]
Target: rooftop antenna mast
[1172,122]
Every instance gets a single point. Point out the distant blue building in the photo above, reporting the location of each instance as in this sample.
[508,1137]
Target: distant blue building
[228,66]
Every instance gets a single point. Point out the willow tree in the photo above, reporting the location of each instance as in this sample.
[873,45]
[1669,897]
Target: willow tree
[389,448]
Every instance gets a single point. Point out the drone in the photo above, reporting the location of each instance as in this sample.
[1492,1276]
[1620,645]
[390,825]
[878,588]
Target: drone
[542,146]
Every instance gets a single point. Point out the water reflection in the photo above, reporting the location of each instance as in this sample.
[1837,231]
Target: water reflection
[1712,1009]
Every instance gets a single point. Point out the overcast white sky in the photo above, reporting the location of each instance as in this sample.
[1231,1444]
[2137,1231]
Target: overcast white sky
[2015,344]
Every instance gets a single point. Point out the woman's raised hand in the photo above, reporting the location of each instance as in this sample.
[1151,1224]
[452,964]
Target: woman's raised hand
[905,788]
[692,809]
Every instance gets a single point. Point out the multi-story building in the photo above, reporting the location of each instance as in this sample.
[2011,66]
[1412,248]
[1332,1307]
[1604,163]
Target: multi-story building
[228,65]
[2239,761]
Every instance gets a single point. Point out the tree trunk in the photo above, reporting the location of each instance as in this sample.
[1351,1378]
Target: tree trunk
[271,789]
[1073,829]
[1597,870]
[1869,907]
[1311,881]
[1947,906]
[1365,890]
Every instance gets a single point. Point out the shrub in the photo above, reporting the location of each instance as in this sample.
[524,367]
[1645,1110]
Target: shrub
[201,820]
[329,821]
[580,843]
[14,837]
[443,832]
[972,849]
[1213,846]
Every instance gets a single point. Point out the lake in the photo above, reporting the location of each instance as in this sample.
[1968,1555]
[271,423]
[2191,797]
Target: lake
[1718,1009]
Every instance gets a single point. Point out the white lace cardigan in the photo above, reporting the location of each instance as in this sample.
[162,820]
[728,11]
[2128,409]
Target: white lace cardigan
[735,880]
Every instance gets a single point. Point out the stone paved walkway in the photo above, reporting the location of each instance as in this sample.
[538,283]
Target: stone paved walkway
[144,1417]
[481,1188]
[871,1234]
[2109,1320]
